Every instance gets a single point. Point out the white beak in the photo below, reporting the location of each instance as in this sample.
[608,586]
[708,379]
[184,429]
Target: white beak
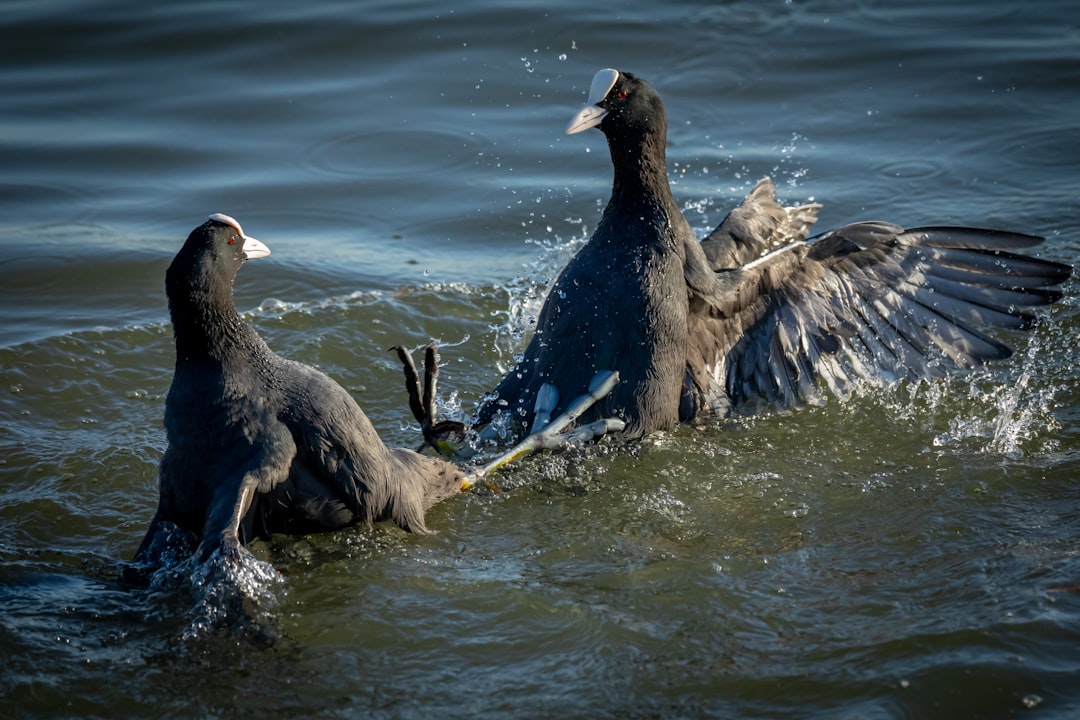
[252,248]
[592,114]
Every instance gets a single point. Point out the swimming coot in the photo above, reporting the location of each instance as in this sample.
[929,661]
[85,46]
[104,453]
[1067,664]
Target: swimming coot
[258,444]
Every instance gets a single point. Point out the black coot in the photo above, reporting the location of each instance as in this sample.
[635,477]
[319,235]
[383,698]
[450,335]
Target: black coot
[755,316]
[258,444]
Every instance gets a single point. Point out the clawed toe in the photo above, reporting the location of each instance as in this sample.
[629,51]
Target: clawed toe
[450,438]
[549,434]
[601,384]
[447,437]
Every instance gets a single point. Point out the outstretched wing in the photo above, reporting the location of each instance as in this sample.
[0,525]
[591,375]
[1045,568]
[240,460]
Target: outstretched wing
[757,226]
[866,301]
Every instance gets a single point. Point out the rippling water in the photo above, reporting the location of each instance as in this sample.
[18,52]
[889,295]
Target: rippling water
[910,553]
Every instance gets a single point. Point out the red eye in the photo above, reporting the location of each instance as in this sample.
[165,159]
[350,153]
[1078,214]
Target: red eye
[232,239]
[621,94]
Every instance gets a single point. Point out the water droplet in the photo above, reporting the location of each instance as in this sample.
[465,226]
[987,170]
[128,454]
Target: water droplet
[1031,700]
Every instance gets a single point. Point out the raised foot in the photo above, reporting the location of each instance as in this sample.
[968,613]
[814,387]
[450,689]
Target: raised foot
[549,434]
[447,437]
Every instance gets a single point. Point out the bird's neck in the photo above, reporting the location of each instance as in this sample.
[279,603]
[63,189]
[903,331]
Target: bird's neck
[641,174]
[207,327]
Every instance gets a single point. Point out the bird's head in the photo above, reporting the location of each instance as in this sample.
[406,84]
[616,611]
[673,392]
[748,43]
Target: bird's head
[620,103]
[212,255]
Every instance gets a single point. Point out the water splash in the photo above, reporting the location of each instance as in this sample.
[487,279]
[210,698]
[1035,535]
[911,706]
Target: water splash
[1010,412]
[527,291]
[1016,416]
[275,309]
[1007,409]
[237,594]
[231,595]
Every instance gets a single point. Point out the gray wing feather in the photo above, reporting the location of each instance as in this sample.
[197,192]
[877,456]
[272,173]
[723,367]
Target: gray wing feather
[869,301]
[759,224]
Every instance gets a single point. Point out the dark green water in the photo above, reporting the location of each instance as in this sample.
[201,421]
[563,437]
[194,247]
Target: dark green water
[912,552]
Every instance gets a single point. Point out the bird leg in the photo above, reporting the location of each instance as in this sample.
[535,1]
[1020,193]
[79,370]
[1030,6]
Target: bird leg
[549,434]
[447,437]
[222,528]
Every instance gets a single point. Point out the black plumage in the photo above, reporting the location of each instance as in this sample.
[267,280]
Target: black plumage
[258,444]
[755,316]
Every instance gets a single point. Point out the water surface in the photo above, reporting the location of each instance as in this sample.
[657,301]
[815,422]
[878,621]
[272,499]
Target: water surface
[909,553]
